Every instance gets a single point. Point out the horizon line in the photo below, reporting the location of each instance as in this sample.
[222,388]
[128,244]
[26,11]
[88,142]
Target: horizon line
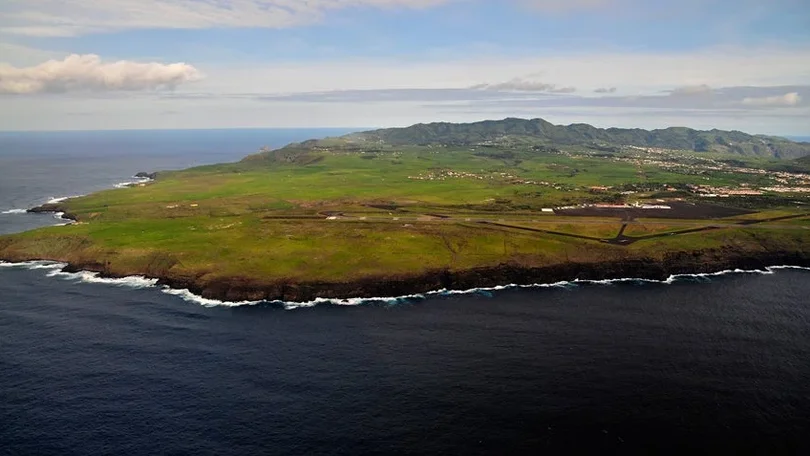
[805,135]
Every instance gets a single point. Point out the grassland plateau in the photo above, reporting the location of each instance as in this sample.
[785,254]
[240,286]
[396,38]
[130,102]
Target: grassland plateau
[402,211]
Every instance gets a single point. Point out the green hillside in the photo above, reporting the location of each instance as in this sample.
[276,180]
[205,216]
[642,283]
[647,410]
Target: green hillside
[514,131]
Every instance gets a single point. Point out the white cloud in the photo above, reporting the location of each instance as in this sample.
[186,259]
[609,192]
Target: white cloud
[524,85]
[87,73]
[788,99]
[77,17]
[337,93]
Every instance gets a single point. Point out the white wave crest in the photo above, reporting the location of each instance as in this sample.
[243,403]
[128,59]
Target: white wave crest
[33,265]
[800,268]
[56,270]
[291,305]
[188,296]
[14,211]
[93,277]
[61,216]
[61,199]
[563,284]
[138,180]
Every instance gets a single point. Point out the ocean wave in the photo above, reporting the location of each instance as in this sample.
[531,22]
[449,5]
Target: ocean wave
[94,277]
[56,270]
[33,265]
[562,284]
[188,296]
[138,180]
[61,217]
[61,199]
[786,267]
[291,305]
[14,211]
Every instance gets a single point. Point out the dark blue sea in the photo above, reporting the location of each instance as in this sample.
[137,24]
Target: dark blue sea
[715,365]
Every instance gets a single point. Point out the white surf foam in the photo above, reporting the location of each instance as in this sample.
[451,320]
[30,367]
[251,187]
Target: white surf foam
[188,296]
[56,270]
[14,211]
[94,277]
[61,216]
[292,305]
[138,180]
[563,284]
[801,268]
[61,199]
[33,265]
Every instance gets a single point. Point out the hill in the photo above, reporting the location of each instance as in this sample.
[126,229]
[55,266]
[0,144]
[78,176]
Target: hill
[513,131]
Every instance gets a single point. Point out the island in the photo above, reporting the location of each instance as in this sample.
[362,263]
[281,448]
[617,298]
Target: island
[402,211]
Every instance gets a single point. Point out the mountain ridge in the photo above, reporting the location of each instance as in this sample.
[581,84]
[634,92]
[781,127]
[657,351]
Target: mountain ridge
[684,138]
[513,131]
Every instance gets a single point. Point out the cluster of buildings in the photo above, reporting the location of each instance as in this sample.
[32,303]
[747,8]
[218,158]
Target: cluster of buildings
[445,174]
[669,160]
[788,182]
[784,189]
[709,191]
[635,205]
[652,150]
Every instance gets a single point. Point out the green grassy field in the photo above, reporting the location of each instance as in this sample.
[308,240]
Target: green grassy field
[267,220]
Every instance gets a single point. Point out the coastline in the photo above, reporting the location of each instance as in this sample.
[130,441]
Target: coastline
[239,290]
[56,205]
[242,291]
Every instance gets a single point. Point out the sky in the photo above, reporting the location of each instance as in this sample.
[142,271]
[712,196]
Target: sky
[154,64]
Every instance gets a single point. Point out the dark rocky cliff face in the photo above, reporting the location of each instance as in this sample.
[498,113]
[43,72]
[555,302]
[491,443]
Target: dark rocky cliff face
[237,289]
[53,208]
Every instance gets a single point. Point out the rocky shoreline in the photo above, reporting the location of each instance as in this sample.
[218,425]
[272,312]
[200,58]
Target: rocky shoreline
[506,274]
[53,208]
[237,289]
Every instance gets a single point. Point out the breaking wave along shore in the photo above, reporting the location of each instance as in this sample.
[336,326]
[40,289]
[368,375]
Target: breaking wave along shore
[61,271]
[51,203]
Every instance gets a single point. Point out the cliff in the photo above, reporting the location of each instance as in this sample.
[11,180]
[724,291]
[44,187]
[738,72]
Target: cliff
[237,288]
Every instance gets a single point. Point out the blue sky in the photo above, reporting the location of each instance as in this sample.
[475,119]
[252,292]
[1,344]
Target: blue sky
[119,64]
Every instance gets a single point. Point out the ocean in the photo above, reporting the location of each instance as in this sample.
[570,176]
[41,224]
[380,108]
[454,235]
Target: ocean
[713,364]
